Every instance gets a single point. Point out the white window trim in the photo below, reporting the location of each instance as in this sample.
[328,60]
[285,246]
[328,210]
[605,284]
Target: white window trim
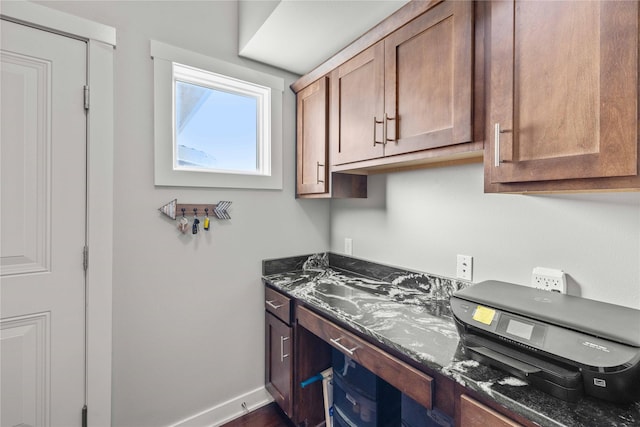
[165,174]
[262,95]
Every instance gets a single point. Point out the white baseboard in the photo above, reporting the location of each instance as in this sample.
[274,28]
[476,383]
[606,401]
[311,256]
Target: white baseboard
[229,410]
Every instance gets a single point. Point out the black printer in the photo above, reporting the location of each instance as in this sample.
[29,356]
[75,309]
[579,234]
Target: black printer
[565,345]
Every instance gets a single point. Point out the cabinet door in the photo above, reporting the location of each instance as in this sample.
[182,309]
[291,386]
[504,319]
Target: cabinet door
[313,139]
[279,375]
[357,107]
[428,80]
[563,90]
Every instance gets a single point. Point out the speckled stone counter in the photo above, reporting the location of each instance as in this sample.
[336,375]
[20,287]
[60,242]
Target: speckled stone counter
[409,312]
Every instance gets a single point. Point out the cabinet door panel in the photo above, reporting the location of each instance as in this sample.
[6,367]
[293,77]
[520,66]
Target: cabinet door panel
[563,89]
[356,102]
[312,139]
[278,364]
[428,80]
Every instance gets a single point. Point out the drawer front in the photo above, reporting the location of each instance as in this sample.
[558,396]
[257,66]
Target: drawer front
[475,414]
[338,421]
[406,378]
[278,305]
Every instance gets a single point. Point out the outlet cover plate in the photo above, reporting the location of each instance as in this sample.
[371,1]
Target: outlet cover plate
[549,279]
[464,267]
[348,246]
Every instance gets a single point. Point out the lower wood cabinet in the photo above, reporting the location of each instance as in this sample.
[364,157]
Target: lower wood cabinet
[293,354]
[278,366]
[410,381]
[299,342]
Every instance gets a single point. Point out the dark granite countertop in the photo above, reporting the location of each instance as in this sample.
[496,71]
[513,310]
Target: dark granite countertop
[409,312]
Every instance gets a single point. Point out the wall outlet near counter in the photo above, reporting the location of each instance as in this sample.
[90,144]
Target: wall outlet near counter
[549,279]
[348,246]
[464,267]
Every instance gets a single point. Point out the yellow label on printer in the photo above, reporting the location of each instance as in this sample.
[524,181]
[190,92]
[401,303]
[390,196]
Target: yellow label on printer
[484,315]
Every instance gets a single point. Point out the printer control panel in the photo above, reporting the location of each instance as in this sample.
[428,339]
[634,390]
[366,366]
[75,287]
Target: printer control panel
[521,329]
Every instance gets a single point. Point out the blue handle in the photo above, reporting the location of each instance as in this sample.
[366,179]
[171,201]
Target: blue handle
[311,380]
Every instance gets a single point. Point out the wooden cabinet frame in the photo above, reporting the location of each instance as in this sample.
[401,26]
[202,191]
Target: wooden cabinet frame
[313,336]
[312,175]
[374,145]
[431,83]
[278,365]
[592,144]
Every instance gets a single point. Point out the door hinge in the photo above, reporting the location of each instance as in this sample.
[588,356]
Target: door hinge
[86,97]
[84,416]
[85,258]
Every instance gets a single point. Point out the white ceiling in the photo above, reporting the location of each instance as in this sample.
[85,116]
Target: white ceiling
[298,35]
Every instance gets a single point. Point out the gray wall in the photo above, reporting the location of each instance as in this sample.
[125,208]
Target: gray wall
[188,311]
[422,219]
[188,316]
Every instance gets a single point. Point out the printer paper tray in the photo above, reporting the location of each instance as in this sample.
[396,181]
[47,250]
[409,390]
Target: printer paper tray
[555,379]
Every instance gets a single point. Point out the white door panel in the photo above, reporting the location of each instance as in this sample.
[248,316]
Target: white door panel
[24,165]
[42,220]
[24,363]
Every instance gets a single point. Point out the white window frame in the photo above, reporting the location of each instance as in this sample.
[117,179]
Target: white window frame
[214,81]
[166,60]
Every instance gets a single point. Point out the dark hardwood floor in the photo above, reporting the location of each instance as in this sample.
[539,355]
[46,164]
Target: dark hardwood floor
[267,416]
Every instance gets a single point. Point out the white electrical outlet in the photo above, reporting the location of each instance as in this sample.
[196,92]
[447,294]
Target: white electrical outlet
[549,279]
[464,267]
[348,246]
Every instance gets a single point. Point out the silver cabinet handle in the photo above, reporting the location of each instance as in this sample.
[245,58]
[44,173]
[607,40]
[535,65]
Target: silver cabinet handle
[318,166]
[282,355]
[272,305]
[496,136]
[337,343]
[384,133]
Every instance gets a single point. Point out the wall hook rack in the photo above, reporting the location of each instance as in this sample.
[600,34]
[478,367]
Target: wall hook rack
[218,210]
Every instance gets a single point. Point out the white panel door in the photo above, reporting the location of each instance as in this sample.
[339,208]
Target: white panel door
[42,219]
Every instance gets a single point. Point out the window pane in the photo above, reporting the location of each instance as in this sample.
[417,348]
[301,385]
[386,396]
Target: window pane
[215,129]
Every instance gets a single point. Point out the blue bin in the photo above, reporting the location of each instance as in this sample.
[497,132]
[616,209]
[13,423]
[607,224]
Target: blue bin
[416,415]
[356,409]
[352,373]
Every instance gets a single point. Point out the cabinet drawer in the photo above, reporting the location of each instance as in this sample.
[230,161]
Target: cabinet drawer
[475,414]
[404,377]
[278,304]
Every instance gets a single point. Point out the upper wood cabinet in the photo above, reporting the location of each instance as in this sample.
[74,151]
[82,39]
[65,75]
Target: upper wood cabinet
[313,138]
[563,93]
[410,92]
[313,176]
[428,80]
[357,107]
